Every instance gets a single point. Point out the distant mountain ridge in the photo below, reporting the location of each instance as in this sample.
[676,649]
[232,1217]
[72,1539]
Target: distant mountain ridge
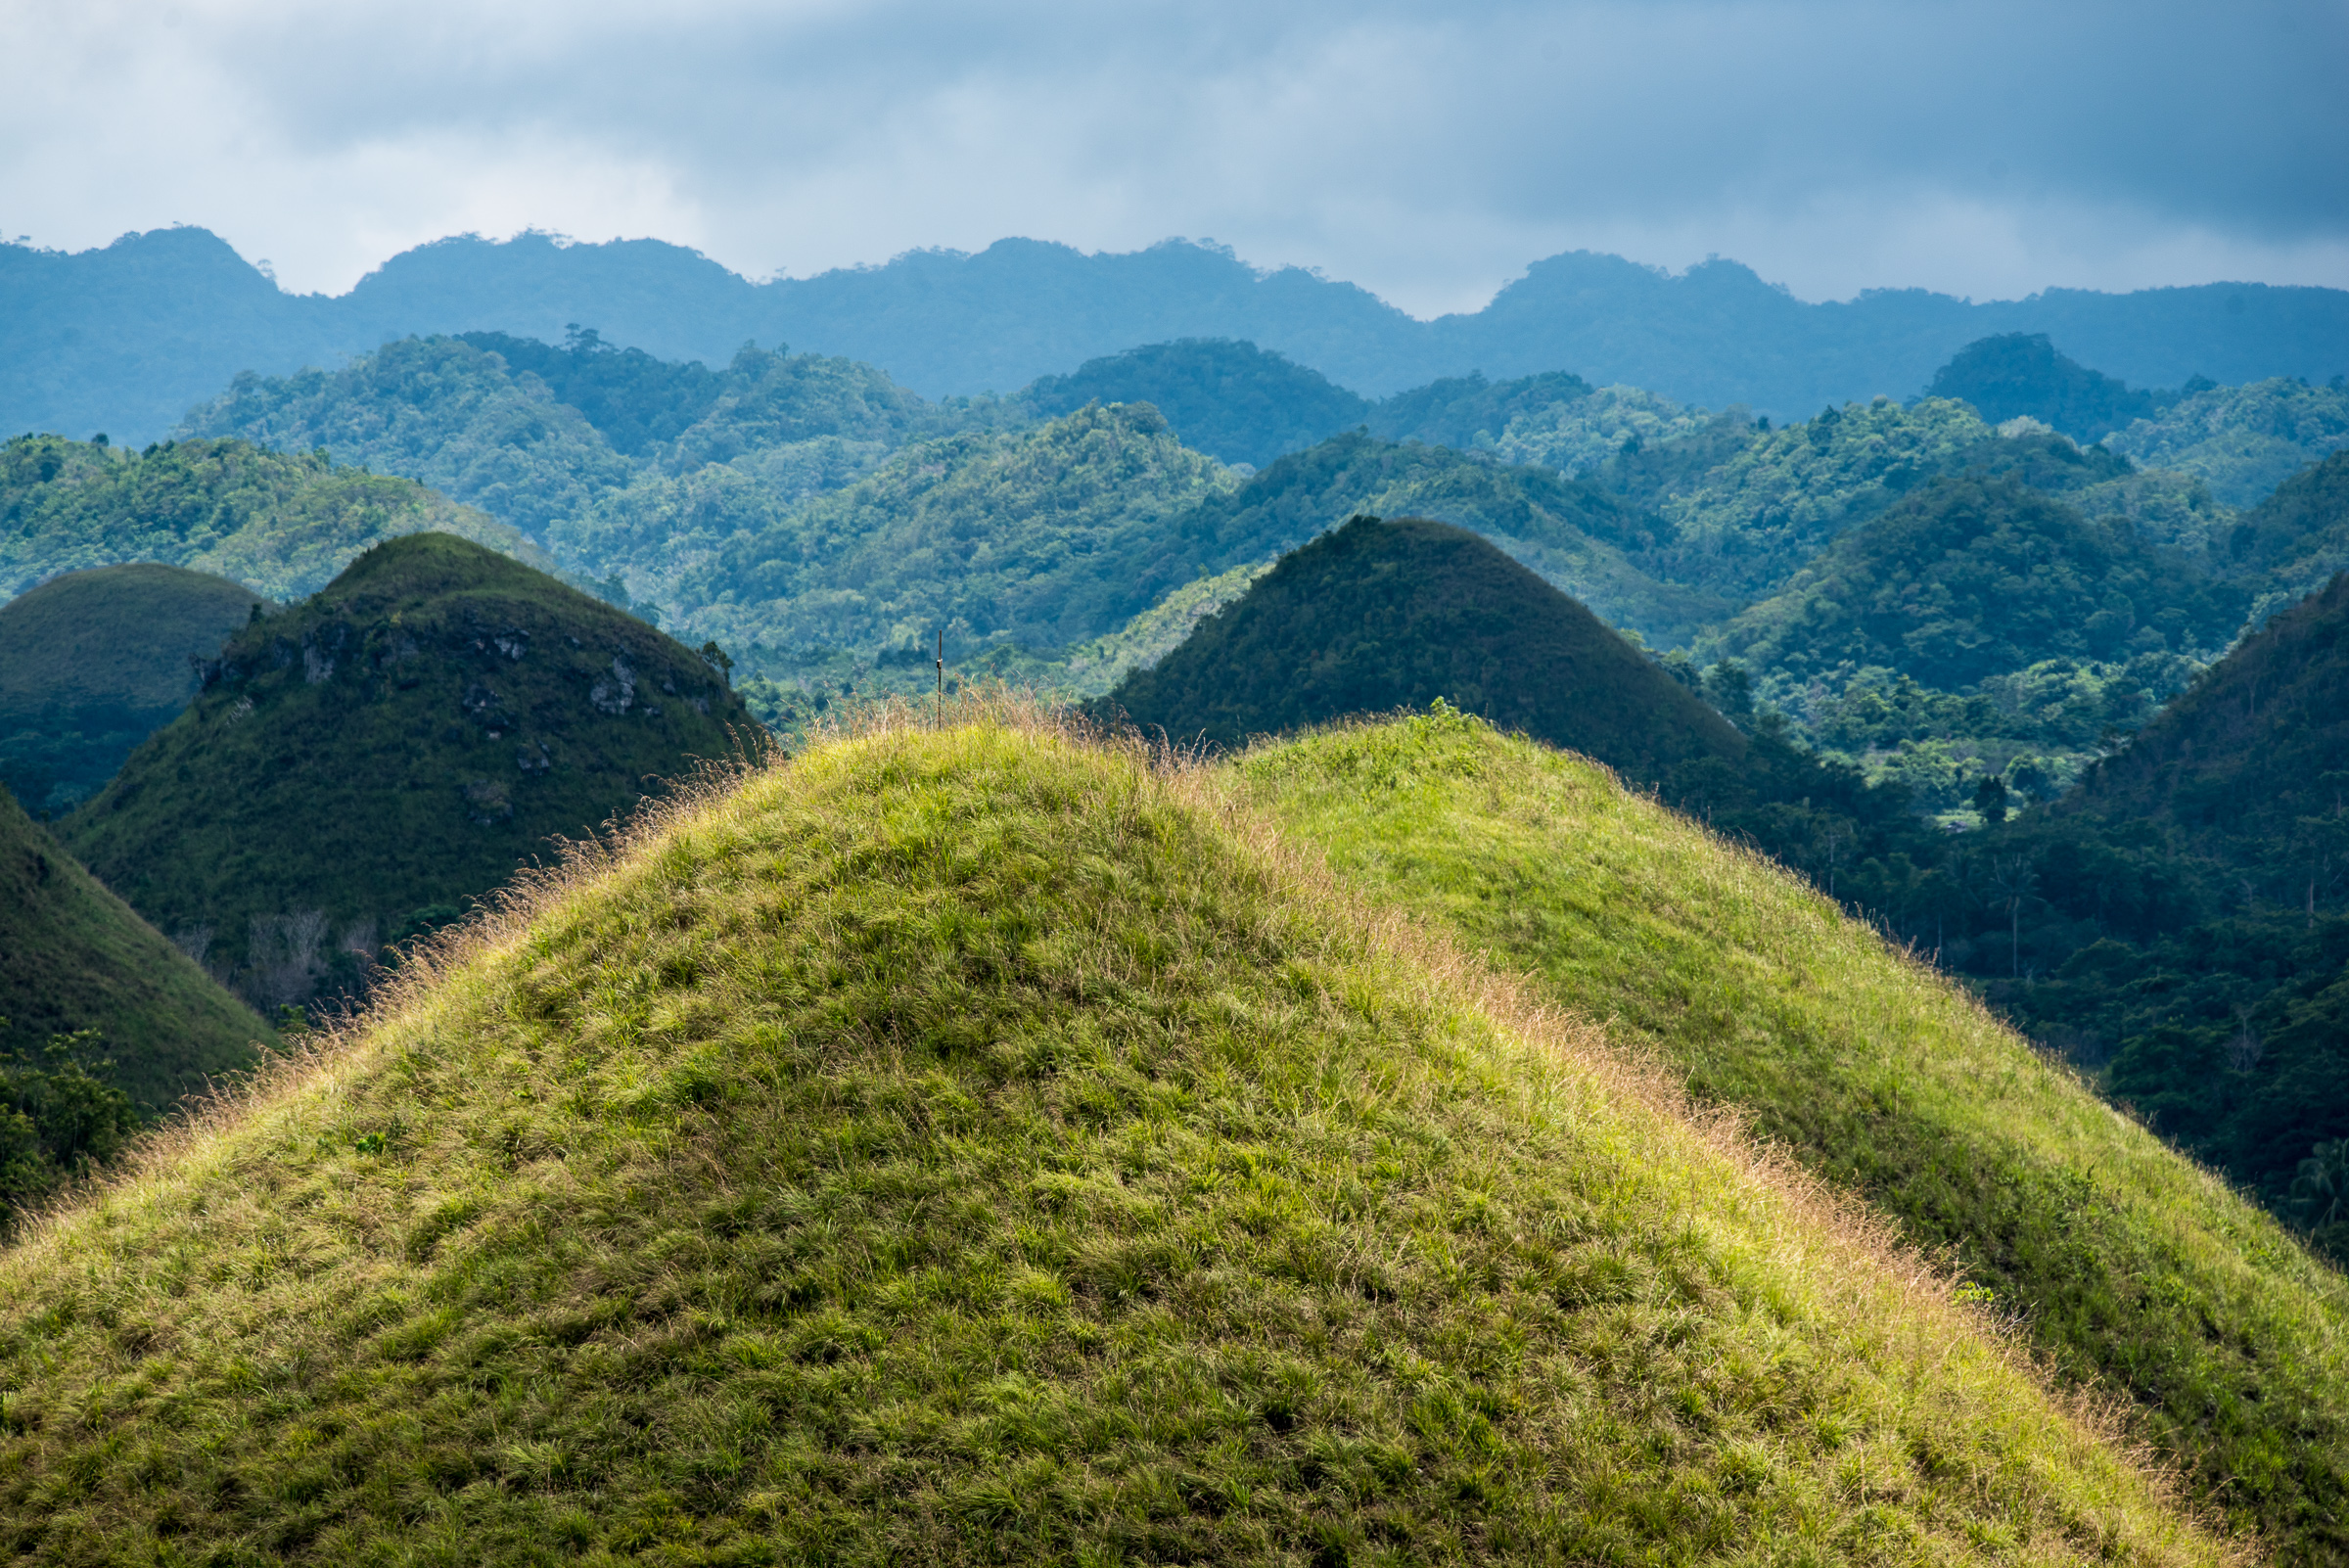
[127,338]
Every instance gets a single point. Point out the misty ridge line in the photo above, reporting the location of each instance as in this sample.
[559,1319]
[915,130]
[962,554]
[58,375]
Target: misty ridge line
[126,339]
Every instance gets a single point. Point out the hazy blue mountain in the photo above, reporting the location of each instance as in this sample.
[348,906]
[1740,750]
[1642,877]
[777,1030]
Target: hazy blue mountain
[127,337]
[2022,374]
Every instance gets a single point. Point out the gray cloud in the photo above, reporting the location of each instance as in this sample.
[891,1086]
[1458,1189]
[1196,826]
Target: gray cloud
[1989,148]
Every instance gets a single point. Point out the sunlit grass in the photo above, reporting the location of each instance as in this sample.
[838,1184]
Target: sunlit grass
[984,1145]
[2135,1272]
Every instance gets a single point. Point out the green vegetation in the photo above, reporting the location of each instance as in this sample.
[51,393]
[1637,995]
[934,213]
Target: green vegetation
[1749,524]
[281,525]
[2243,441]
[79,960]
[60,1122]
[2293,542]
[1231,401]
[1574,436]
[974,1147]
[2128,1267]
[404,740]
[1577,538]
[436,410]
[1972,579]
[2020,375]
[92,662]
[1378,616]
[1468,412]
[1042,536]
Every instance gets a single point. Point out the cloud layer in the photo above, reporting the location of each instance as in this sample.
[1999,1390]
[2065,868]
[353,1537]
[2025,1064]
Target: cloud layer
[1987,149]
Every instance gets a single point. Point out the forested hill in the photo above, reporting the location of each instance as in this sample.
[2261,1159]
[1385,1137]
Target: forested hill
[125,338]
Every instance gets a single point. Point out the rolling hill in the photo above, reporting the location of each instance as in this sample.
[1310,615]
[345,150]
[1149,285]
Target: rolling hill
[2128,1267]
[2022,375]
[73,956]
[280,524]
[92,662]
[399,743]
[1379,616]
[966,1145]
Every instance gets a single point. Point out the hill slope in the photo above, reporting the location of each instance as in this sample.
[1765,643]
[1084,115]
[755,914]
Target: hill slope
[1971,578]
[2022,374]
[2260,745]
[1032,536]
[2129,1267]
[402,740]
[971,1147]
[280,524]
[1378,616]
[1231,401]
[73,956]
[1578,538]
[92,662]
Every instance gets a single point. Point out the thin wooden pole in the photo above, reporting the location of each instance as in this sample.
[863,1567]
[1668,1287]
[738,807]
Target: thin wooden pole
[942,678]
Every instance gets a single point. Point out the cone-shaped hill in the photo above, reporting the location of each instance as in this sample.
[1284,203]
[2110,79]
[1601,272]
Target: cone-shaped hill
[73,956]
[2251,764]
[971,1146]
[1377,616]
[2132,1269]
[91,663]
[399,742]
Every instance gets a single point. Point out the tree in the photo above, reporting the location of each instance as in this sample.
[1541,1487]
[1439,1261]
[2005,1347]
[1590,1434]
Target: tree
[1990,798]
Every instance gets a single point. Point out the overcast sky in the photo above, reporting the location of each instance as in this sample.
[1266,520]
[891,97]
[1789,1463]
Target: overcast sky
[1426,151]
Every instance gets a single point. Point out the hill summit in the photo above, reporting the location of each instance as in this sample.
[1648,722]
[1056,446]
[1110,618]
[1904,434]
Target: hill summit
[1377,616]
[964,1144]
[91,663]
[395,745]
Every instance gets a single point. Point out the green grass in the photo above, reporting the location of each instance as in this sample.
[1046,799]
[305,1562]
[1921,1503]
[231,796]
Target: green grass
[73,956]
[977,1147]
[2131,1270]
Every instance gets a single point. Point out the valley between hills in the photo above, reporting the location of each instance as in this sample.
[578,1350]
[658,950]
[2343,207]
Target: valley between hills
[611,957]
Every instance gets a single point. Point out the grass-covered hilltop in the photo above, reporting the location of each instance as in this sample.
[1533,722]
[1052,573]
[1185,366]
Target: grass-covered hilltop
[979,1145]
[2132,1270]
[93,662]
[378,756]
[1384,615]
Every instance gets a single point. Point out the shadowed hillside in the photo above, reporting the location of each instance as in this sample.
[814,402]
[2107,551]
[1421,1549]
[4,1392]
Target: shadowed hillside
[971,1146]
[396,745]
[1378,616]
[92,662]
[73,956]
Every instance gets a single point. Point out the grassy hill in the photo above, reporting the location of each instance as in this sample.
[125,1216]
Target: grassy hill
[73,956]
[92,662]
[399,742]
[976,1147]
[2127,1267]
[280,524]
[1378,616]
